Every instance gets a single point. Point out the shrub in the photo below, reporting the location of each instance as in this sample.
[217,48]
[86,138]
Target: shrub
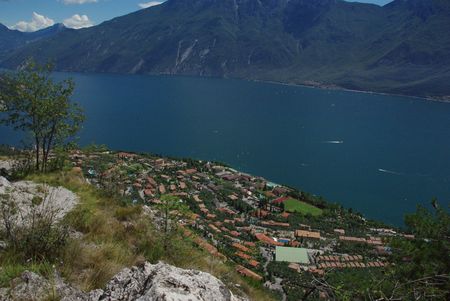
[127,213]
[32,231]
[22,166]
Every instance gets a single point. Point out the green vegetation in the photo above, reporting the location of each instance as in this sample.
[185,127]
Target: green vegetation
[420,268]
[116,235]
[293,205]
[113,231]
[31,101]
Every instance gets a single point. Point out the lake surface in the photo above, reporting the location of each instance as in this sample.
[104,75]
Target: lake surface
[380,155]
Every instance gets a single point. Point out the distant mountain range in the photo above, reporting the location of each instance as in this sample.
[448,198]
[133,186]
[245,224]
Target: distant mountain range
[11,40]
[402,47]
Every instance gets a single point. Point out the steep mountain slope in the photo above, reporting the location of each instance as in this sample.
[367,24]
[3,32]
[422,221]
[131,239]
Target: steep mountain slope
[11,40]
[403,47]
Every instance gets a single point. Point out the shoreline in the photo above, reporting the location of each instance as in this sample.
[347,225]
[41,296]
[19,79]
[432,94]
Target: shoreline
[312,84]
[444,99]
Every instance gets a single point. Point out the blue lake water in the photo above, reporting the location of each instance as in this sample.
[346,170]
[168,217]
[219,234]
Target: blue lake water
[380,155]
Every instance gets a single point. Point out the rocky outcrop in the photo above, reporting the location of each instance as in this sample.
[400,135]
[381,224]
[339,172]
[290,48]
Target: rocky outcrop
[158,282]
[5,166]
[32,287]
[27,196]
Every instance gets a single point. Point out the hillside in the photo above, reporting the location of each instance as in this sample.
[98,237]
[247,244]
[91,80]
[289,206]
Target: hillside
[13,39]
[261,240]
[403,47]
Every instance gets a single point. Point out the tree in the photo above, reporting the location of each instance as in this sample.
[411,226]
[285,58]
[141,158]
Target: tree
[422,265]
[419,267]
[172,209]
[32,102]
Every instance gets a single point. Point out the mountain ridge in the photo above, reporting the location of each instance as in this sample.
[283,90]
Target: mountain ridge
[400,48]
[11,39]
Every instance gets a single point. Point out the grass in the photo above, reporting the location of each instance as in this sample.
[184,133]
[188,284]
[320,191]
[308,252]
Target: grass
[293,205]
[10,269]
[115,236]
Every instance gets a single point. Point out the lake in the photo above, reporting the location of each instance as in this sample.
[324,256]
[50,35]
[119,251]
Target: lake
[380,155]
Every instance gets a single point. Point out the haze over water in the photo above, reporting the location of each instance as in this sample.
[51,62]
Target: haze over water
[380,155]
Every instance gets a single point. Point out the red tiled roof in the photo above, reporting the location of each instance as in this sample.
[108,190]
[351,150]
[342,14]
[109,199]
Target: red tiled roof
[148,192]
[265,239]
[214,228]
[243,255]
[190,171]
[246,272]
[294,243]
[123,155]
[235,233]
[151,181]
[260,213]
[285,214]
[280,200]
[203,244]
[241,247]
[253,263]
[319,272]
[249,243]
[227,211]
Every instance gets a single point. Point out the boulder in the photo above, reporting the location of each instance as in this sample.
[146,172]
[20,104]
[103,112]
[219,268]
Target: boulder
[33,287]
[148,282]
[164,282]
[57,200]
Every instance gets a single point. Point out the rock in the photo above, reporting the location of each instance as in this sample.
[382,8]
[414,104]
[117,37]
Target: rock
[165,282]
[66,292]
[161,282]
[4,183]
[55,199]
[33,287]
[4,293]
[6,165]
[29,286]
[95,294]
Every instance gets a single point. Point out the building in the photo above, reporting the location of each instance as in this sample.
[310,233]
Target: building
[288,254]
[307,234]
[267,240]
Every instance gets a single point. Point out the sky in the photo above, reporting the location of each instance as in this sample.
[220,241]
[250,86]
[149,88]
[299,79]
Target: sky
[32,15]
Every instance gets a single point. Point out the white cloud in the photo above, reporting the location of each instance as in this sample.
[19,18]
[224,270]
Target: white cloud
[77,22]
[150,4]
[78,1]
[37,22]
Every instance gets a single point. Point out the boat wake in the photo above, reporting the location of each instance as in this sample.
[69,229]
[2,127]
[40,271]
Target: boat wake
[390,172]
[333,142]
[402,174]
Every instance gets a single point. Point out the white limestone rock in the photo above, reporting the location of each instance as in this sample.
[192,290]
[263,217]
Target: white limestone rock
[149,282]
[163,282]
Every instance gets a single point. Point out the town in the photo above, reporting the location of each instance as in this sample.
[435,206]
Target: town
[269,231]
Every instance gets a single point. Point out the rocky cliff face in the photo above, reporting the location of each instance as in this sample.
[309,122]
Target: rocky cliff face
[161,282]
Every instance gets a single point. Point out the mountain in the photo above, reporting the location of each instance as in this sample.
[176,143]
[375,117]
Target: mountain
[403,47]
[11,40]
